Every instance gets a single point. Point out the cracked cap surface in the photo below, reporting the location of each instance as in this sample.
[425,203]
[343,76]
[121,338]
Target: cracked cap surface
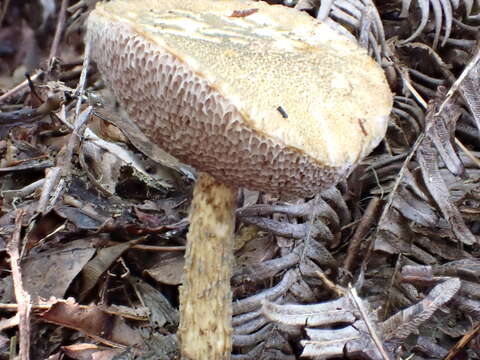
[257,95]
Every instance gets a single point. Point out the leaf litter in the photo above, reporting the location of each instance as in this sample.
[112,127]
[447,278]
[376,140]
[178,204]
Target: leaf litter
[93,217]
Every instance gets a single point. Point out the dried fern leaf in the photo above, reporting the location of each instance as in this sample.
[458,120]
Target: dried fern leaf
[425,11]
[332,312]
[438,16]
[405,8]
[405,322]
[448,13]
[254,302]
[469,89]
[437,187]
[349,341]
[241,340]
[443,137]
[468,6]
[324,10]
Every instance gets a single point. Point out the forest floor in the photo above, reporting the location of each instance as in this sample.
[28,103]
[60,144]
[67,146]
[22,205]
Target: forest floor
[93,232]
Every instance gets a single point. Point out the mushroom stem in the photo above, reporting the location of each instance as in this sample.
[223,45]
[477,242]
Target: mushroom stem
[205,297]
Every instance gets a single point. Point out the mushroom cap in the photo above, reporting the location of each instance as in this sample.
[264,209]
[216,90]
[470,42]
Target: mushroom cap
[256,95]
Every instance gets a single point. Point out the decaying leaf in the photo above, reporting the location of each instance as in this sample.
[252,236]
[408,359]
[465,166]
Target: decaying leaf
[94,322]
[50,273]
[100,264]
[161,311]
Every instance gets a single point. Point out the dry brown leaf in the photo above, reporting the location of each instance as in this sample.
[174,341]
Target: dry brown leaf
[168,271]
[162,313]
[95,268]
[94,322]
[50,273]
[90,352]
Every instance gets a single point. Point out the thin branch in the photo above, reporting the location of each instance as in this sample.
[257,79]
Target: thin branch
[58,32]
[363,313]
[362,229]
[23,298]
[20,87]
[459,80]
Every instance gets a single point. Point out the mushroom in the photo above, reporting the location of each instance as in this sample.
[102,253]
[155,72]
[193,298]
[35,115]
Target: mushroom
[252,95]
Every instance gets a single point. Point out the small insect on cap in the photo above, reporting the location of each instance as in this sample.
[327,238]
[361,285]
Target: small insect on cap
[256,95]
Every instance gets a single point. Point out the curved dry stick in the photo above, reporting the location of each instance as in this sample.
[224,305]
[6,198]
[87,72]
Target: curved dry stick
[254,302]
[468,6]
[425,9]
[448,12]
[437,12]
[324,10]
[405,8]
